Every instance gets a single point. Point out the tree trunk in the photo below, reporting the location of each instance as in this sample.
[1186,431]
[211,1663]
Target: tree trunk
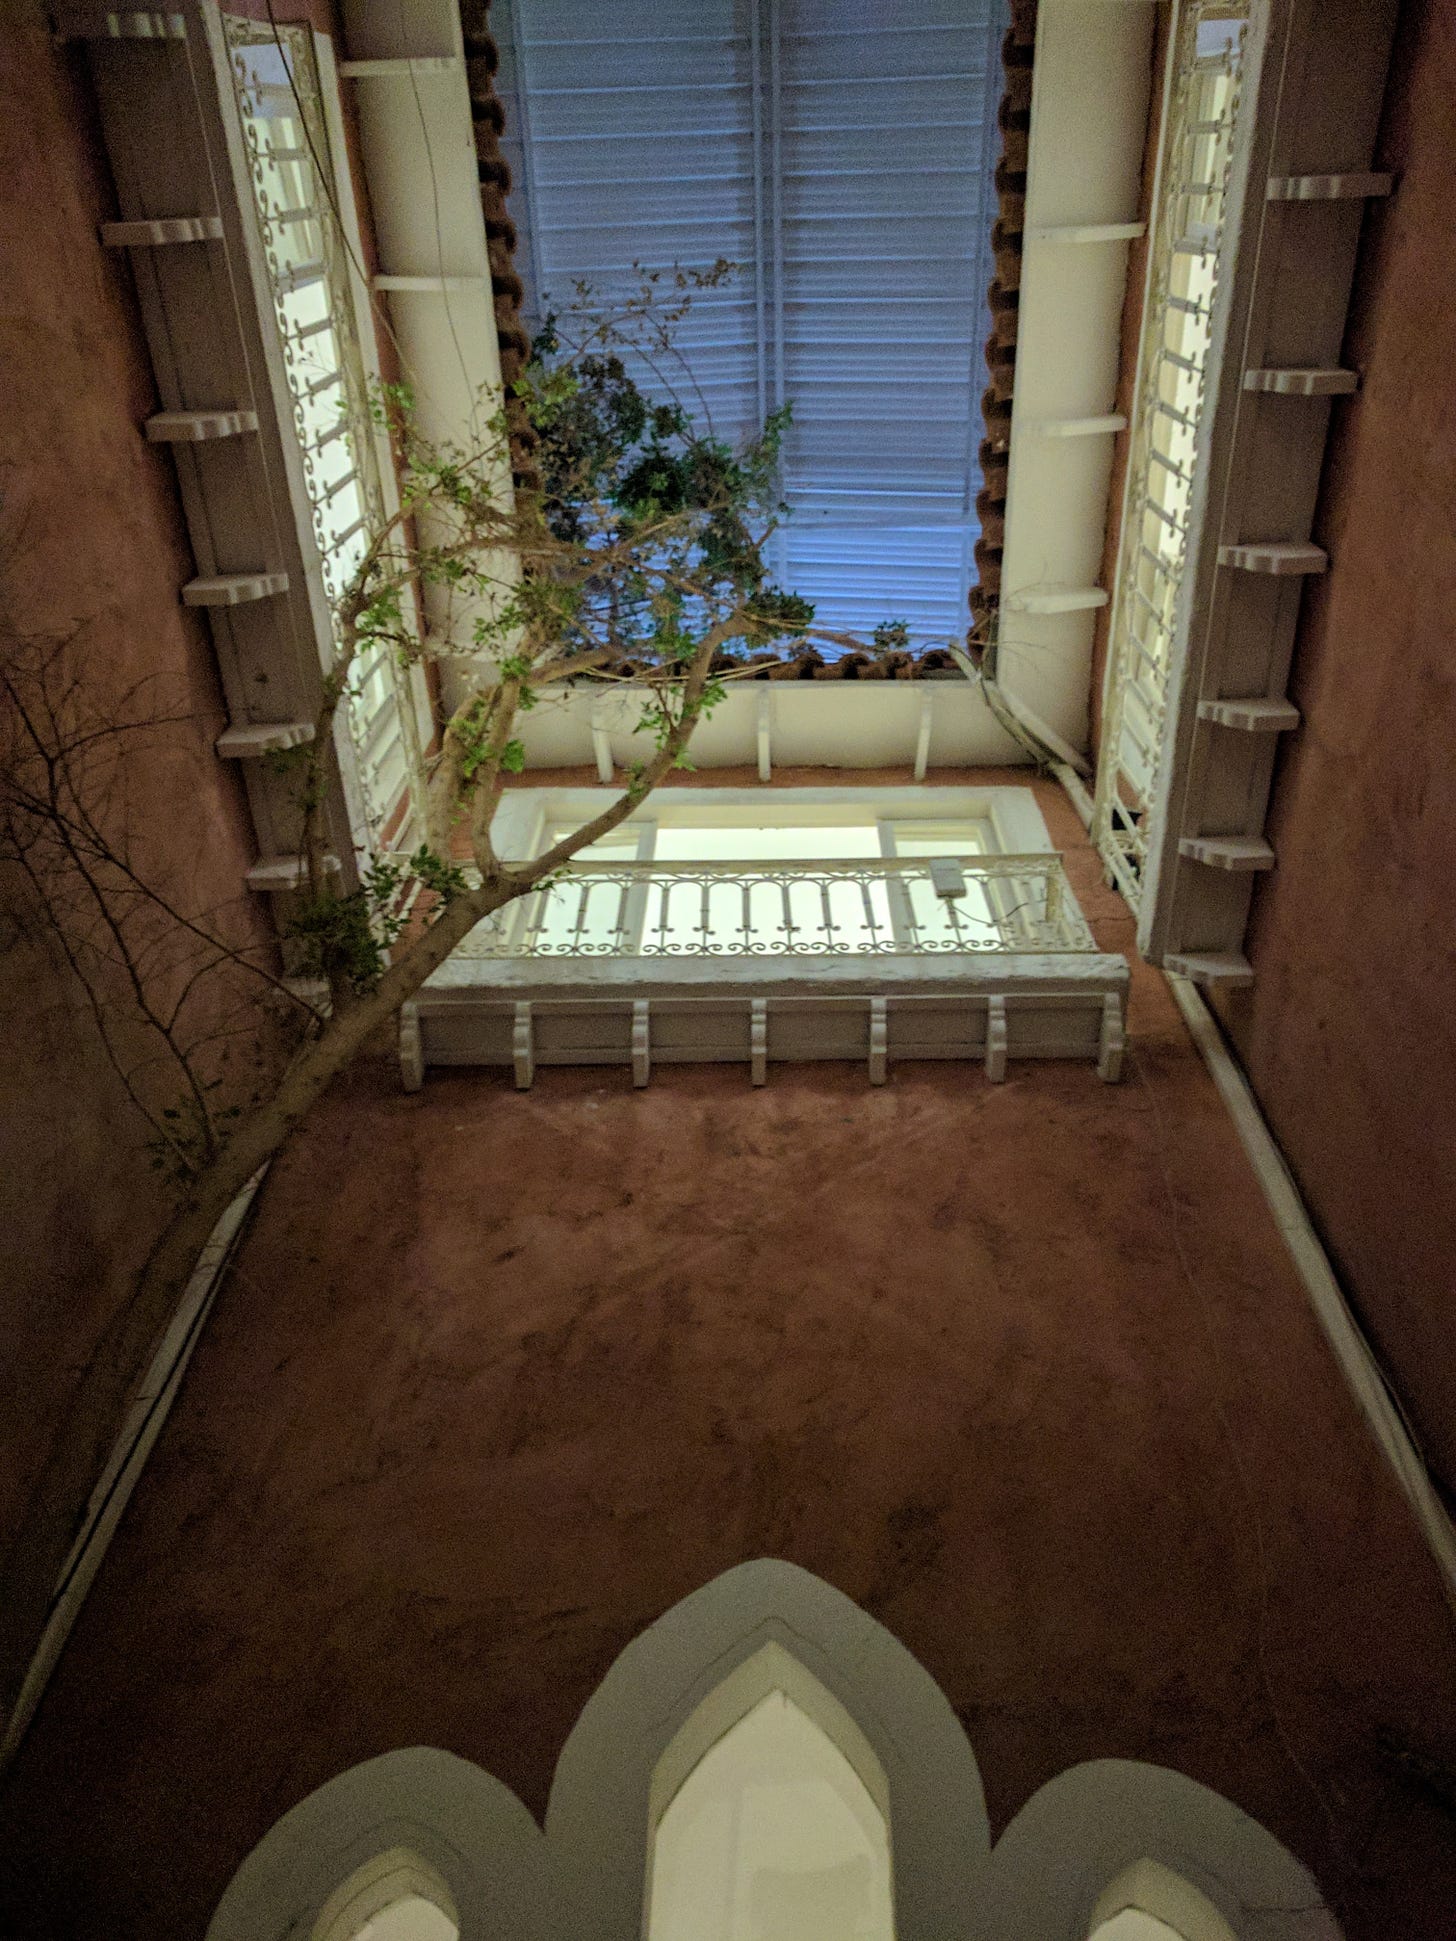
[52,1515]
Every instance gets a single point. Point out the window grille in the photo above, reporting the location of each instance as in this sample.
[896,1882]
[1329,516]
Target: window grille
[875,906]
[1174,402]
[291,175]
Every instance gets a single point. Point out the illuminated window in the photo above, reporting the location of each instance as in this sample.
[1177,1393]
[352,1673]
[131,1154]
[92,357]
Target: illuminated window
[773,1836]
[1149,1902]
[396,1896]
[1133,1925]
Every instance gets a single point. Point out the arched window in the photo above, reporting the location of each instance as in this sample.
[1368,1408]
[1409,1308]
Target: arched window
[396,1896]
[1149,1902]
[773,1834]
[1133,1925]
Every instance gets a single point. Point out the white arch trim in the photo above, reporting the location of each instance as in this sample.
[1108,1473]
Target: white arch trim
[383,1880]
[465,1830]
[1151,1888]
[910,1741]
[770,1669]
[1067,1860]
[672,1692]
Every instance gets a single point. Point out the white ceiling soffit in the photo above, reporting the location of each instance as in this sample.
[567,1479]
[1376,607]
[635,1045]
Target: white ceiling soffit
[1089,108]
[910,725]
[405,64]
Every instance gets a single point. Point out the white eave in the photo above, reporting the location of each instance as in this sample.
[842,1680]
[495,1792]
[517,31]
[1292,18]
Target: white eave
[908,725]
[1089,107]
[406,68]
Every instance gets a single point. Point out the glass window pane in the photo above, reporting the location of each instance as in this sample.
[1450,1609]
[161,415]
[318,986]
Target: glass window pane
[767,842]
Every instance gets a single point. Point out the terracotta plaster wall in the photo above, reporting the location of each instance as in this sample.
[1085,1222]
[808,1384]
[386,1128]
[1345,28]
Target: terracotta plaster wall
[93,550]
[500,1376]
[1349,1034]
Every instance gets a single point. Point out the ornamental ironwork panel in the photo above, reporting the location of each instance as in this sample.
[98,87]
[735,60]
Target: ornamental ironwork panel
[889,906]
[1174,401]
[292,174]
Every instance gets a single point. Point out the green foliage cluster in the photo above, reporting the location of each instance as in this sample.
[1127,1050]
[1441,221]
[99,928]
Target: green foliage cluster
[345,939]
[677,515]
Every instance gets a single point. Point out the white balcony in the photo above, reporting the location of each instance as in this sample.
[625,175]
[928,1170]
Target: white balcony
[882,959]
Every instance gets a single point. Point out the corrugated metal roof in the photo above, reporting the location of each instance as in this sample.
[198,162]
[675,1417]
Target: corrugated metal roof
[841,153]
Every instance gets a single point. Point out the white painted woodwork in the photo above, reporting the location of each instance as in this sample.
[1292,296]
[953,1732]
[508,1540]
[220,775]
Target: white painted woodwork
[1105,424]
[168,119]
[412,712]
[1311,89]
[233,589]
[197,427]
[156,234]
[758,1040]
[407,68]
[427,285]
[1211,969]
[1242,853]
[1007,817]
[1328,188]
[601,740]
[641,1042]
[524,992]
[1085,232]
[879,1041]
[1282,556]
[759,1011]
[1257,715]
[523,1047]
[417,143]
[1088,119]
[1067,599]
[256,739]
[793,724]
[1303,384]
[996,1040]
[927,724]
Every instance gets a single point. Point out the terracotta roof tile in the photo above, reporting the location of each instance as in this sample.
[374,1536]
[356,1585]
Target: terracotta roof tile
[482,59]
[1013,118]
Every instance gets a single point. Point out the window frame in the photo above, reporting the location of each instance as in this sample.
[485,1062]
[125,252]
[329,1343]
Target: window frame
[1007,821]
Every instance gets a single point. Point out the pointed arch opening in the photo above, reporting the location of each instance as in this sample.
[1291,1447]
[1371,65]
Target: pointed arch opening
[770,1817]
[1149,1902]
[394,1896]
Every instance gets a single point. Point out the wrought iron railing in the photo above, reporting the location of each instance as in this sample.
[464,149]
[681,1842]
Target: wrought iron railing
[1172,405]
[897,905]
[290,171]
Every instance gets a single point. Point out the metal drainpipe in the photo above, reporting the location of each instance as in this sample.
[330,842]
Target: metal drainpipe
[149,1408]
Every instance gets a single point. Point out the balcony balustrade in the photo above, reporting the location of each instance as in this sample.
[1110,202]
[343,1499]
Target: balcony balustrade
[841,909]
[885,959]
